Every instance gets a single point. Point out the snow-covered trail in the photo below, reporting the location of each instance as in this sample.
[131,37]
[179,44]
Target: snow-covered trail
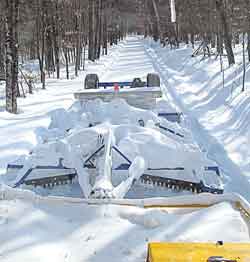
[49,231]
[17,131]
[132,61]
[136,59]
[43,230]
[178,86]
[236,181]
[124,62]
[133,57]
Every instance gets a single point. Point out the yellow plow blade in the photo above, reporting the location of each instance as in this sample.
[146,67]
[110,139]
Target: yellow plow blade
[194,252]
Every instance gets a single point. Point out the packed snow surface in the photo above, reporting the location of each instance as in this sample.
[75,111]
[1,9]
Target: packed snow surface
[217,115]
[44,230]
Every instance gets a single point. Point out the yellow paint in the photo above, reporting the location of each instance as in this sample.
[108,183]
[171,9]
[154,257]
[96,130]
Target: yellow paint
[194,252]
[237,205]
[160,206]
[245,212]
[180,206]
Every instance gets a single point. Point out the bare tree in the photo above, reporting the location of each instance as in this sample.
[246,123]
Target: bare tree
[11,55]
[91,51]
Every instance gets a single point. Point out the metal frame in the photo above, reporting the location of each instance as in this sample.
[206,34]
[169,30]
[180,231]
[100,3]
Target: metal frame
[172,117]
[121,84]
[146,178]
[40,181]
[170,131]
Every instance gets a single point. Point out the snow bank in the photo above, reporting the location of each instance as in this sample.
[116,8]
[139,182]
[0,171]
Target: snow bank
[189,201]
[97,233]
[218,116]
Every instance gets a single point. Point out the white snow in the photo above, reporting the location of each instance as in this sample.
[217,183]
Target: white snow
[43,230]
[136,170]
[219,117]
[34,228]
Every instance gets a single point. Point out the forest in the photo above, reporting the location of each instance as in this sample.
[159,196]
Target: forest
[124,130]
[63,33]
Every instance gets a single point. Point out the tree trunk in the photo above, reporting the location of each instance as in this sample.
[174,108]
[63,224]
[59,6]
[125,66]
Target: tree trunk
[237,38]
[83,40]
[226,35]
[55,40]
[219,41]
[91,7]
[96,31]
[248,27]
[15,48]
[50,64]
[176,29]
[213,40]
[40,55]
[247,7]
[99,29]
[244,64]
[153,14]
[84,54]
[65,51]
[40,39]
[105,32]
[11,55]
[2,48]
[157,17]
[78,47]
[192,39]
[248,45]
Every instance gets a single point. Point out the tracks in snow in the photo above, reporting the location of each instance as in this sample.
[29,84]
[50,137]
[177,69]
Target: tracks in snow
[235,180]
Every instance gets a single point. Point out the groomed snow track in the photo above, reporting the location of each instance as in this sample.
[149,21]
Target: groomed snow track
[98,230]
[195,182]
[236,181]
[150,56]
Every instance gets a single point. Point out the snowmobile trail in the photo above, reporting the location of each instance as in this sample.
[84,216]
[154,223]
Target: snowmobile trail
[136,59]
[235,180]
[17,131]
[37,228]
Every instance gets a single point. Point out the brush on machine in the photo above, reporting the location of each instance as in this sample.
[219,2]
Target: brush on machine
[108,160]
[87,152]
